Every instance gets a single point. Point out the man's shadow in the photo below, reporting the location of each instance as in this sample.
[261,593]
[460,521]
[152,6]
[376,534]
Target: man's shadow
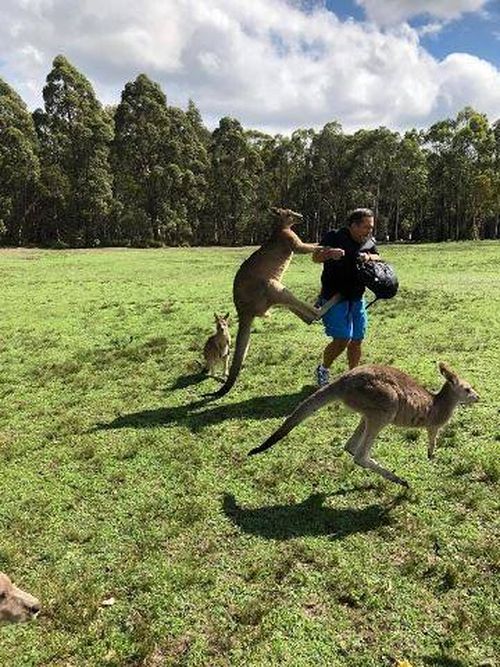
[196,418]
[310,517]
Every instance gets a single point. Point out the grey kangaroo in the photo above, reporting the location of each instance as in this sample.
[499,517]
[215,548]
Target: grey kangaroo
[257,286]
[217,348]
[383,395]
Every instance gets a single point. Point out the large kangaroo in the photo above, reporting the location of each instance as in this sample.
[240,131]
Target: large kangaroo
[383,395]
[257,286]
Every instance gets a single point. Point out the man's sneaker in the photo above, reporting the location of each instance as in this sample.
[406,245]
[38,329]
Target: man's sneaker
[322,376]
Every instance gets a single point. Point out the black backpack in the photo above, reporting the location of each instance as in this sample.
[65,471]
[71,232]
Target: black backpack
[379,277]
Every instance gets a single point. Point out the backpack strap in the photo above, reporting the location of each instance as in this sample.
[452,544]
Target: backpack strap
[371,302]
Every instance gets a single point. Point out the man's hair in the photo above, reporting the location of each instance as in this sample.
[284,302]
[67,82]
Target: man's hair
[358,214]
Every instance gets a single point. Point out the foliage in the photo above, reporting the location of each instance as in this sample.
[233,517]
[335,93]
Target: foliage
[74,134]
[19,167]
[147,173]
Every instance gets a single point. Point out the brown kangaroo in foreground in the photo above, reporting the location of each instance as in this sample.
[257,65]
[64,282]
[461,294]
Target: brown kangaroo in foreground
[383,395]
[217,347]
[15,605]
[257,286]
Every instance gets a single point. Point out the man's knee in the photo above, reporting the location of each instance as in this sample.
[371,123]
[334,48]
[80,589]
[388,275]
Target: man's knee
[355,343]
[340,343]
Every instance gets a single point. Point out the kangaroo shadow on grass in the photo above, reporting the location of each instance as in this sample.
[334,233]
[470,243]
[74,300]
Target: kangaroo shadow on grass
[442,661]
[188,380]
[195,378]
[195,418]
[310,517]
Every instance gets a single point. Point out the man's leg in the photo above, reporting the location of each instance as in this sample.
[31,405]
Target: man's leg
[333,350]
[354,353]
[359,326]
[338,327]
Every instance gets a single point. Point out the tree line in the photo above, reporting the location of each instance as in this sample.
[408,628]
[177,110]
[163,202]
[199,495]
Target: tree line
[144,173]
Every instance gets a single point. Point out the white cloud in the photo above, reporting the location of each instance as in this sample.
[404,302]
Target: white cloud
[269,63]
[430,29]
[392,12]
[467,80]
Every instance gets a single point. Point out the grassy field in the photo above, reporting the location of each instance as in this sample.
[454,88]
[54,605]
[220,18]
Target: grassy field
[119,482]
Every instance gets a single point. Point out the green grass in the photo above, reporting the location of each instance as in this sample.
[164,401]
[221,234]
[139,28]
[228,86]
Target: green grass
[118,481]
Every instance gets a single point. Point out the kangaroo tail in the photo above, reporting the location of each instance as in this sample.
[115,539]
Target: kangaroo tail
[306,408]
[241,348]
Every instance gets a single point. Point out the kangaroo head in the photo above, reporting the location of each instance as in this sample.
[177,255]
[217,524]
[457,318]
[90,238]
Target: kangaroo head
[286,217]
[222,322]
[15,605]
[465,393]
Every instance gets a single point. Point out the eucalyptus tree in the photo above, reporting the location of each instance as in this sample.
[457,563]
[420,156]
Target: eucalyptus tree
[194,117]
[19,168]
[160,163]
[186,171]
[461,174]
[407,187]
[330,169]
[138,158]
[474,142]
[76,183]
[495,222]
[270,185]
[234,175]
[438,142]
[372,156]
[300,167]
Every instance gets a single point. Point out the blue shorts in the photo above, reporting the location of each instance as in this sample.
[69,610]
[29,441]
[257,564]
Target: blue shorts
[346,319]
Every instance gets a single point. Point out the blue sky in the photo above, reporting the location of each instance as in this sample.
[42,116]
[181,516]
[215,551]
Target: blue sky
[477,33]
[472,34]
[274,64]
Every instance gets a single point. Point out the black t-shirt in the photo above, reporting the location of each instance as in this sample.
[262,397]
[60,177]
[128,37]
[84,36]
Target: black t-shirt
[339,275]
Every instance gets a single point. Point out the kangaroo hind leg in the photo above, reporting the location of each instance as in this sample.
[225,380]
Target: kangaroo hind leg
[284,297]
[354,441]
[362,455]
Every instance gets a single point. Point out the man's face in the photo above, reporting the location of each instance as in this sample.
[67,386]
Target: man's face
[363,230]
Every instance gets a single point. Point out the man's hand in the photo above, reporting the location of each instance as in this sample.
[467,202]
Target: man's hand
[367,257]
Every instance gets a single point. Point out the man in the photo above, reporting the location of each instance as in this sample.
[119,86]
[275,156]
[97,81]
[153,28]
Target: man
[346,321]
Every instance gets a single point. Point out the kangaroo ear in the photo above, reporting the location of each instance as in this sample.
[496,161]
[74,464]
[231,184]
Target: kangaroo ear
[216,317]
[275,210]
[447,373]
[226,317]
